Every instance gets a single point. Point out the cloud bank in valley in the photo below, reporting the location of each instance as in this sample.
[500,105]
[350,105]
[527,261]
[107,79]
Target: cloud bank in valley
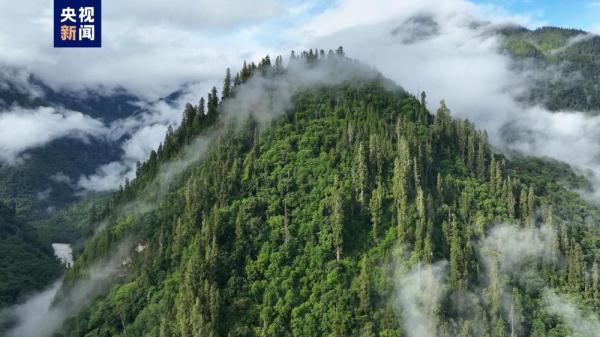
[138,135]
[151,48]
[43,313]
[22,129]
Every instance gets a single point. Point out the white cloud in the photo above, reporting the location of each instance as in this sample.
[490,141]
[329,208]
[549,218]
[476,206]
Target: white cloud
[149,47]
[512,245]
[164,45]
[358,14]
[419,292]
[44,312]
[143,134]
[581,323]
[463,63]
[19,81]
[22,129]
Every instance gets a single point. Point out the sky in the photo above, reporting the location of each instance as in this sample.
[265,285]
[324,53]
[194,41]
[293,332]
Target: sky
[154,47]
[583,14]
[151,47]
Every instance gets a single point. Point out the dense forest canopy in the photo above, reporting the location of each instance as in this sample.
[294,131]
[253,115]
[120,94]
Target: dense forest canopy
[26,262]
[44,187]
[320,199]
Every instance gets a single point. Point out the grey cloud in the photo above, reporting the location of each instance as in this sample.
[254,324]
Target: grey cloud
[22,129]
[19,80]
[149,47]
[195,14]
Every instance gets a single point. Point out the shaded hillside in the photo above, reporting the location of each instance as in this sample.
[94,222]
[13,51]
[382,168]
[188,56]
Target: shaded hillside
[570,60]
[18,87]
[322,217]
[43,179]
[46,178]
[27,264]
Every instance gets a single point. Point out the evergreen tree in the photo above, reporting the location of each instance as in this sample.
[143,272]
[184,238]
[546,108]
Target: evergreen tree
[226,85]
[376,208]
[213,104]
[337,222]
[361,174]
[365,287]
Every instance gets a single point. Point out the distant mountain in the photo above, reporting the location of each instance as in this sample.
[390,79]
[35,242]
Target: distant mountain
[25,90]
[46,180]
[570,60]
[563,65]
[417,28]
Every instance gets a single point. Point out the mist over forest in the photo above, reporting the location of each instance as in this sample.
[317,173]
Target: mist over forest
[430,169]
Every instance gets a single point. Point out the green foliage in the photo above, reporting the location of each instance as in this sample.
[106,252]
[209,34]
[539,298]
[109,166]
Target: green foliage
[570,62]
[291,230]
[26,263]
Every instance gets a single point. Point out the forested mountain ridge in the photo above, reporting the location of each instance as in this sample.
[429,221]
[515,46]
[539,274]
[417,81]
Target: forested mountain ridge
[325,220]
[570,60]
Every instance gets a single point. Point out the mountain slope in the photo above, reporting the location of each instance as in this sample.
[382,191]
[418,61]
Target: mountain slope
[44,178]
[570,62]
[26,263]
[326,220]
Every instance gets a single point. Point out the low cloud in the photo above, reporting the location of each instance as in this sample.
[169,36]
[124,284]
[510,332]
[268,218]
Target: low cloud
[34,315]
[264,98]
[511,247]
[419,292]
[139,135]
[43,313]
[507,253]
[581,323]
[22,129]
